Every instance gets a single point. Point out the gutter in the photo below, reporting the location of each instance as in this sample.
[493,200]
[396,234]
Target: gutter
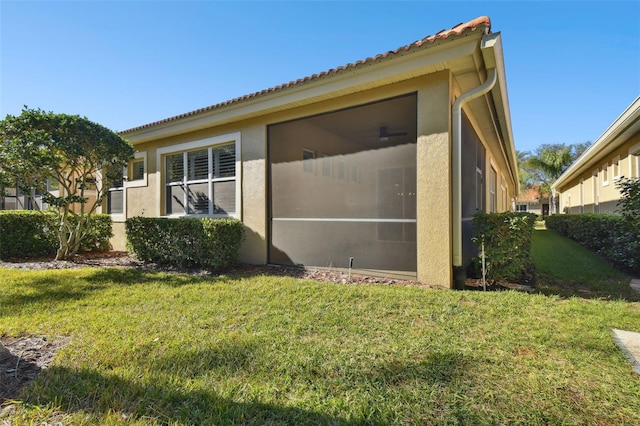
[456,131]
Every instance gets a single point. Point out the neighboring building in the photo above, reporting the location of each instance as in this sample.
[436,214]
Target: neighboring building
[533,200]
[384,160]
[17,199]
[589,185]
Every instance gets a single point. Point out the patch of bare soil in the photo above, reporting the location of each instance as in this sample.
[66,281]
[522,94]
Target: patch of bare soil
[21,360]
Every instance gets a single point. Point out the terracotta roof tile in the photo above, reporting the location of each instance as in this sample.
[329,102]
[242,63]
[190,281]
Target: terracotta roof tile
[482,21]
[531,195]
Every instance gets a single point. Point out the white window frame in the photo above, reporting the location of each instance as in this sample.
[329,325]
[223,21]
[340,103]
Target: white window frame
[479,190]
[210,142]
[118,217]
[615,163]
[596,193]
[634,161]
[104,205]
[136,183]
[493,189]
[605,174]
[503,189]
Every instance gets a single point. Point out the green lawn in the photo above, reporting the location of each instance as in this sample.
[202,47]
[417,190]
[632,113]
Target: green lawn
[566,268]
[151,348]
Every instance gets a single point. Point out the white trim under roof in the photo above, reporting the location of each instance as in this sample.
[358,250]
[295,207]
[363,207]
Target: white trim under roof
[629,121]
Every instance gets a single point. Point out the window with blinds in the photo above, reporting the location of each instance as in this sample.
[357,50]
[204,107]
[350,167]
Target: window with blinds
[201,182]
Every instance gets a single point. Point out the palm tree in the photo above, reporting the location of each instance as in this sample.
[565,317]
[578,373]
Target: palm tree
[548,164]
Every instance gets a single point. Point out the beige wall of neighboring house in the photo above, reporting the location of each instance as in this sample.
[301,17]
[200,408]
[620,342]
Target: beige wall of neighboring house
[589,185]
[533,201]
[354,162]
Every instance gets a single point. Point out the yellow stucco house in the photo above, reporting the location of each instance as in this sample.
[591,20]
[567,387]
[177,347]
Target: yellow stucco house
[588,185]
[381,162]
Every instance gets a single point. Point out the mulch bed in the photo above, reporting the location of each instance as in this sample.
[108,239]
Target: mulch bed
[22,359]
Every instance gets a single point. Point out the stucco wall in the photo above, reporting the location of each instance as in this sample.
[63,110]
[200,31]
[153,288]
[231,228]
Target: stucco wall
[433,172]
[594,190]
[434,239]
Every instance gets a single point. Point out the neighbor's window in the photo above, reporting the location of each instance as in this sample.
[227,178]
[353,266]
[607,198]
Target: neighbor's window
[605,175]
[201,182]
[616,168]
[136,170]
[521,208]
[503,189]
[115,197]
[492,188]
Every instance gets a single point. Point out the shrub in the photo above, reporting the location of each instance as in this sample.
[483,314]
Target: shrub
[185,242]
[29,234]
[26,234]
[630,202]
[98,234]
[615,238]
[507,244]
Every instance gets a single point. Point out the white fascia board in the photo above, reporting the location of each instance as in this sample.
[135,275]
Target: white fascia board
[493,58]
[367,76]
[629,119]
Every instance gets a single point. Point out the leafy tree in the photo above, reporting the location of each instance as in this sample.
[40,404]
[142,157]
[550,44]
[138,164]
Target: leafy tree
[524,175]
[578,149]
[41,149]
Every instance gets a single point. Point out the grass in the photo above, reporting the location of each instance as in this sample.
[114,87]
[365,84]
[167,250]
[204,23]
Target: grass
[565,268]
[152,348]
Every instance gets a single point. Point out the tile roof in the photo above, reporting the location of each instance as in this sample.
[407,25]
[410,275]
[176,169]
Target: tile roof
[482,22]
[532,195]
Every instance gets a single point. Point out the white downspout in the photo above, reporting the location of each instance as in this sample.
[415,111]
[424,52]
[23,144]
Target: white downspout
[456,131]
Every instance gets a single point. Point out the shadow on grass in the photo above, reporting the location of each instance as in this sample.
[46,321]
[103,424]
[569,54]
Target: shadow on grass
[61,286]
[611,290]
[136,276]
[100,395]
[437,368]
[167,395]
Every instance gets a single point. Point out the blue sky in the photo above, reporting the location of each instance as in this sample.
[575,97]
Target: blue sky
[572,67]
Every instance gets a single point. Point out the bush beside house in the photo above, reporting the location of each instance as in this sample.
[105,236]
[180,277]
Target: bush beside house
[210,243]
[29,234]
[507,246]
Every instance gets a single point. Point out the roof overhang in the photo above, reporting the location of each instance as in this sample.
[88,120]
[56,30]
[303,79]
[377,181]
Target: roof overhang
[467,51]
[379,73]
[623,128]
[493,58]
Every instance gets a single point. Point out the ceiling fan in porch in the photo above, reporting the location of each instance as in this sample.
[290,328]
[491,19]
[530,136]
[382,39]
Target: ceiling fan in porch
[384,134]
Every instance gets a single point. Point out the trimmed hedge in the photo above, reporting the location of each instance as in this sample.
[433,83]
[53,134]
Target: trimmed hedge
[507,245]
[27,234]
[185,242]
[613,237]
